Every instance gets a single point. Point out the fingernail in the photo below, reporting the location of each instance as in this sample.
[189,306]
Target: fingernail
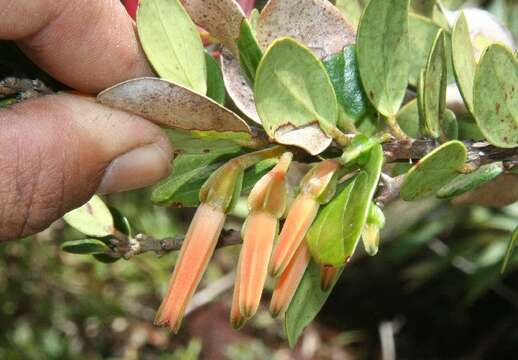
[137,168]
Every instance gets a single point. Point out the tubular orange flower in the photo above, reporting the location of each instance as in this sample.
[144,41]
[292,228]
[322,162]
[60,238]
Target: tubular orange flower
[217,195]
[327,276]
[289,280]
[267,203]
[197,248]
[236,319]
[316,188]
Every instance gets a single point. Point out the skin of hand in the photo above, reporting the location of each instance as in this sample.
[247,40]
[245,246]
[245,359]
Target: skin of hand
[56,151]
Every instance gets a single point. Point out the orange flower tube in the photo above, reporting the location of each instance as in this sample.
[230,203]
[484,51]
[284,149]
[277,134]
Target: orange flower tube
[197,248]
[288,282]
[316,188]
[267,203]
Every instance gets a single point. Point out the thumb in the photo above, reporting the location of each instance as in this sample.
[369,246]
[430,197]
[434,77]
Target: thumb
[57,151]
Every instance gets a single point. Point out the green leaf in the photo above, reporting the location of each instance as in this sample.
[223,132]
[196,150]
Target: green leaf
[422,33]
[464,64]
[450,126]
[120,222]
[359,203]
[306,303]
[434,171]
[423,7]
[215,84]
[92,219]
[292,105]
[408,119]
[334,235]
[190,170]
[171,105]
[466,182]
[354,105]
[468,128]
[495,97]
[434,87]
[172,44]
[250,53]
[106,259]
[198,142]
[510,248]
[383,53]
[317,24]
[86,246]
[325,238]
[352,10]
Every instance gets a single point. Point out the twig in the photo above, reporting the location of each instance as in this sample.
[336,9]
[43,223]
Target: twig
[24,88]
[128,247]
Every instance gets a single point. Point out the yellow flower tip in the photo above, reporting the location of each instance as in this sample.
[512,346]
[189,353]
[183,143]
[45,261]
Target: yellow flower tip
[259,234]
[300,217]
[289,280]
[327,276]
[197,249]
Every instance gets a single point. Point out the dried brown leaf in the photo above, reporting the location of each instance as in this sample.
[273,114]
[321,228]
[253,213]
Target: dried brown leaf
[315,23]
[238,87]
[171,105]
[221,18]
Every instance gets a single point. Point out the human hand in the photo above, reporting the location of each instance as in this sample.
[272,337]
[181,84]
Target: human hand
[56,151]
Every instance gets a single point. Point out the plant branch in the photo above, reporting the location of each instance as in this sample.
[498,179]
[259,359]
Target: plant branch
[142,243]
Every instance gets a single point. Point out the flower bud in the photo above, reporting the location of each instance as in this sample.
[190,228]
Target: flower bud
[288,282]
[317,187]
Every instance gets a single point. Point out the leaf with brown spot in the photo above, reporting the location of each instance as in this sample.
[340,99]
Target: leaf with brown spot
[92,219]
[495,100]
[316,23]
[221,18]
[171,105]
[237,85]
[293,106]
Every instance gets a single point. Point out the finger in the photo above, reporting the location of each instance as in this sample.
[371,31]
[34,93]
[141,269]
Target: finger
[57,151]
[88,45]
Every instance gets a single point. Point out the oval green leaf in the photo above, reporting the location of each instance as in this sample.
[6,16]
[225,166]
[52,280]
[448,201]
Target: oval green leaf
[467,182]
[334,236]
[215,83]
[172,43]
[495,97]
[317,24]
[86,246]
[408,119]
[250,53]
[292,105]
[106,259]
[325,238]
[434,171]
[92,219]
[354,104]
[434,87]
[422,32]
[306,303]
[171,105]
[463,60]
[383,53]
